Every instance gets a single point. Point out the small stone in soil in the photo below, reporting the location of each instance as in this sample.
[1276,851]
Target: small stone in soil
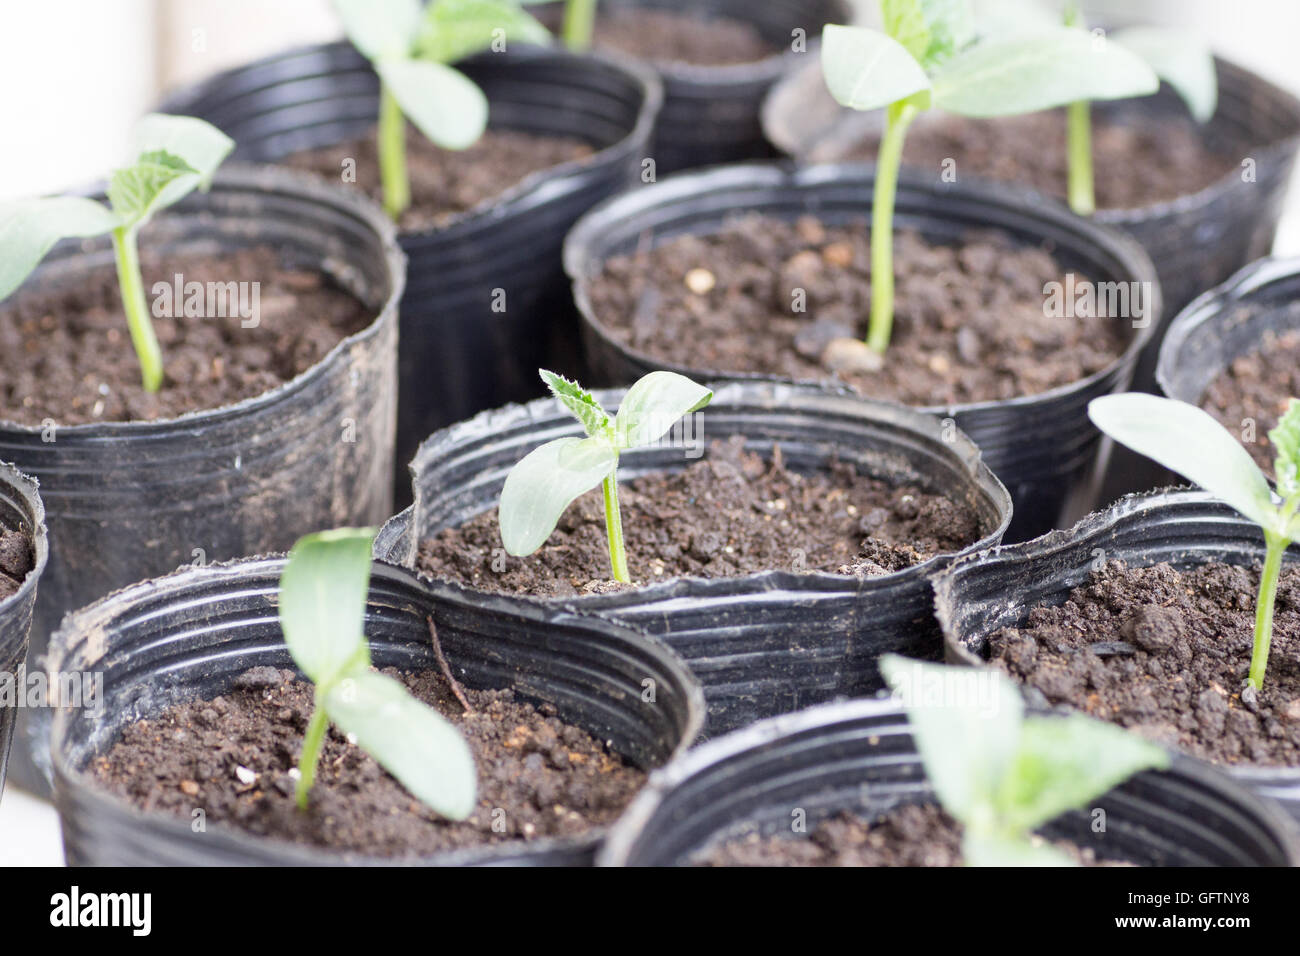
[853,356]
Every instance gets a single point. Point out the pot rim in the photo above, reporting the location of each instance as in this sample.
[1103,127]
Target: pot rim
[28,489]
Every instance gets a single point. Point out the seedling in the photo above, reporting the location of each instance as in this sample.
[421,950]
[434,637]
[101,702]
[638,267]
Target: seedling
[322,613]
[929,56]
[579,22]
[411,50]
[1000,773]
[1191,442]
[173,156]
[548,479]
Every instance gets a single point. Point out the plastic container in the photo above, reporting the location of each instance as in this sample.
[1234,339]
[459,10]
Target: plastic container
[859,757]
[459,354]
[1043,447]
[129,500]
[973,599]
[191,633]
[761,644]
[20,510]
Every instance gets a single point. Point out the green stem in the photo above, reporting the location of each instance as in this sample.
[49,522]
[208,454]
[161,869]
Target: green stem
[137,310]
[888,161]
[614,526]
[311,748]
[1079,134]
[392,155]
[1276,547]
[579,22]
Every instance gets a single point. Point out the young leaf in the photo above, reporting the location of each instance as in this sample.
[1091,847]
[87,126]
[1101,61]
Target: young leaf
[1181,60]
[1286,444]
[444,104]
[323,592]
[654,404]
[931,30]
[29,228]
[410,740]
[1191,442]
[380,29]
[548,479]
[580,402]
[199,144]
[454,29]
[866,69]
[137,191]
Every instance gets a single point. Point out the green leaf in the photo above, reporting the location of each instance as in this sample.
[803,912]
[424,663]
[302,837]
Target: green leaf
[29,228]
[380,29]
[1189,441]
[323,592]
[580,402]
[1031,72]
[1062,763]
[411,741]
[1286,444]
[454,29]
[966,723]
[866,69]
[201,145]
[539,489]
[930,30]
[443,103]
[991,849]
[138,191]
[904,20]
[654,404]
[1181,60]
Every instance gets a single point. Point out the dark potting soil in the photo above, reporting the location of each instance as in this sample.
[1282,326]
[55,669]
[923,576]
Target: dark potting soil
[1165,654]
[667,36]
[970,322]
[911,835]
[15,561]
[231,757]
[444,182]
[731,513]
[66,353]
[1135,163]
[1257,388]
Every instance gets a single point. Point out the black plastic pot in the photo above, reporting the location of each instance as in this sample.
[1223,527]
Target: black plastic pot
[761,644]
[975,598]
[20,510]
[190,634]
[1042,446]
[127,501]
[459,355]
[859,757]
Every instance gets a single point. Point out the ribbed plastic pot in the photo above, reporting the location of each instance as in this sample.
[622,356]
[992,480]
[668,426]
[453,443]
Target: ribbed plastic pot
[188,635]
[129,500]
[1042,446]
[975,598]
[21,510]
[859,757]
[461,353]
[760,644]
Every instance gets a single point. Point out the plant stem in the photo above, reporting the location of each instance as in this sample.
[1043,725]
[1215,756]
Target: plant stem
[614,526]
[579,22]
[1276,547]
[311,748]
[131,286]
[1079,135]
[392,155]
[890,157]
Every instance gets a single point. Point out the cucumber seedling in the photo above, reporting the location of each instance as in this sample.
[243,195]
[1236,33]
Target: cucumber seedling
[323,592]
[928,56]
[579,22]
[1191,442]
[411,49]
[173,156]
[548,479]
[1002,774]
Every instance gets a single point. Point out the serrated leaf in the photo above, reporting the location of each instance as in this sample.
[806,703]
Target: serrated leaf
[579,402]
[541,487]
[198,143]
[323,591]
[413,742]
[866,69]
[1286,445]
[29,228]
[1024,74]
[380,28]
[444,104]
[931,30]
[1191,442]
[138,191]
[454,29]
[991,849]
[654,405]
[1179,58]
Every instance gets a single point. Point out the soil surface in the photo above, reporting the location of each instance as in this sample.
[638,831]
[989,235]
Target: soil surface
[1165,654]
[666,36]
[1258,387]
[66,354]
[731,513]
[444,182]
[231,756]
[1135,164]
[16,561]
[969,325]
[911,835]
